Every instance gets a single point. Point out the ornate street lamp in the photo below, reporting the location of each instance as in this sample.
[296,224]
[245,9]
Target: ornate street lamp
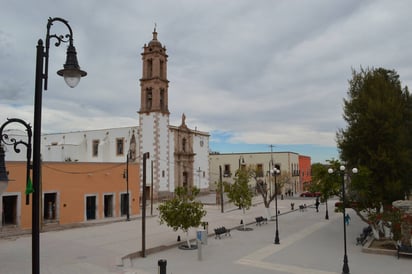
[276,172]
[72,73]
[345,268]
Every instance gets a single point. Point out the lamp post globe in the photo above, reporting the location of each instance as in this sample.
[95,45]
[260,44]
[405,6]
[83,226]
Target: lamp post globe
[71,71]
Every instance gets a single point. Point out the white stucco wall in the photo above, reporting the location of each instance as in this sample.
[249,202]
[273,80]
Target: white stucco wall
[201,161]
[77,146]
[155,140]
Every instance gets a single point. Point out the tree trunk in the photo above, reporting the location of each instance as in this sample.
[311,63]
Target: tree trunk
[244,222]
[268,215]
[187,239]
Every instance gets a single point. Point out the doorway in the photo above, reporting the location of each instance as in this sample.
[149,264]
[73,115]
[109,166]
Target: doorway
[90,207]
[124,204]
[49,208]
[9,216]
[108,205]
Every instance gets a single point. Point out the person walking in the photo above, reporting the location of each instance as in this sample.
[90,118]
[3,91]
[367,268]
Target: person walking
[347,219]
[317,204]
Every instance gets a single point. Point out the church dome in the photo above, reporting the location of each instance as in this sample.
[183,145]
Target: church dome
[155,42]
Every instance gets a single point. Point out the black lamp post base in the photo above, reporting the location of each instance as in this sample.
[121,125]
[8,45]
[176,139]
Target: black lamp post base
[345,269]
[277,241]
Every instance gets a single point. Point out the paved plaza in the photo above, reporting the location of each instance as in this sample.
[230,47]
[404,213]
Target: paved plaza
[308,244]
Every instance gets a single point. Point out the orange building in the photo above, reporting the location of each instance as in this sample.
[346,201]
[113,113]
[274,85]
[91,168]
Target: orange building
[305,167]
[72,193]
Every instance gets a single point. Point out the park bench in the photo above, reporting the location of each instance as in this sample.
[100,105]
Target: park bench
[403,250]
[366,232]
[221,231]
[260,220]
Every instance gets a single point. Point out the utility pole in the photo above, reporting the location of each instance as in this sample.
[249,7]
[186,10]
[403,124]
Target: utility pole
[221,188]
[151,190]
[127,187]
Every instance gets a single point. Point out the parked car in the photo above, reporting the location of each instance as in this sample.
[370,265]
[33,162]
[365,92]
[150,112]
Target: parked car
[310,194]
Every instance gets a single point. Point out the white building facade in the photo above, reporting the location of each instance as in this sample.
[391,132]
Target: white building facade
[263,162]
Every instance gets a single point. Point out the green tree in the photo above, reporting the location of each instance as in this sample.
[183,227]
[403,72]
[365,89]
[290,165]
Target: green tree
[377,138]
[239,192]
[325,183]
[268,193]
[182,211]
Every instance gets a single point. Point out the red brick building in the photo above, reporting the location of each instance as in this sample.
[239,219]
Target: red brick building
[305,167]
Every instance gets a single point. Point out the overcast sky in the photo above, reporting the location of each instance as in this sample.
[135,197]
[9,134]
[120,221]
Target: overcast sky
[250,72]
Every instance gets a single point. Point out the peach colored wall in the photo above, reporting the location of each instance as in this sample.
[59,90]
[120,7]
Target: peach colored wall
[72,182]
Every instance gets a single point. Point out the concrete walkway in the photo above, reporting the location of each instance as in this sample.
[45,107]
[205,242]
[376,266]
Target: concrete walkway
[308,244]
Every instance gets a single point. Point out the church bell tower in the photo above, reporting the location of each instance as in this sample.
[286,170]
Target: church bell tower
[154,83]
[154,114]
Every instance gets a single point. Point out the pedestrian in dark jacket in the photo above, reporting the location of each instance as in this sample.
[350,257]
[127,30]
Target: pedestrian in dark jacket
[317,204]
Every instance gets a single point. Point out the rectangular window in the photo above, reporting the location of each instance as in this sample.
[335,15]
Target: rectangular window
[277,166]
[227,172]
[119,146]
[95,148]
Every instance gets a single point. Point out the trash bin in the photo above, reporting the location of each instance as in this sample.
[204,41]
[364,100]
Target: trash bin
[201,235]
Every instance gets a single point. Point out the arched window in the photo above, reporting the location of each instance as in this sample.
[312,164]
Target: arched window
[185,179]
[149,68]
[149,98]
[162,63]
[162,99]
[184,144]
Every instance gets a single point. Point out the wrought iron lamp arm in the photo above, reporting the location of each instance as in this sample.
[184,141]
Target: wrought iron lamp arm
[4,137]
[67,38]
